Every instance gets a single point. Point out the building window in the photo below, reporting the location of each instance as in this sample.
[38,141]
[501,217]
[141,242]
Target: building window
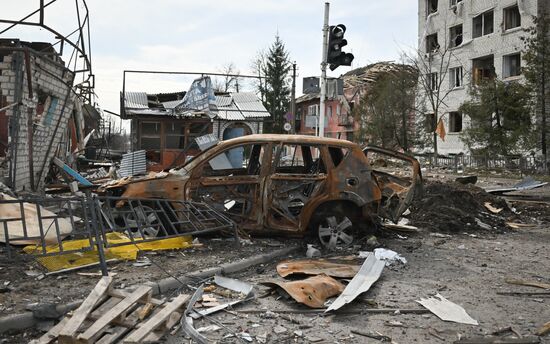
[150,135]
[455,2]
[483,69]
[431,6]
[455,77]
[175,135]
[456,36]
[312,110]
[431,43]
[512,17]
[455,122]
[511,65]
[430,122]
[433,81]
[483,24]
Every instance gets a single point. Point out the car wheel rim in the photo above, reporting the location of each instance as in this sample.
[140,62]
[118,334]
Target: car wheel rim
[147,220]
[335,234]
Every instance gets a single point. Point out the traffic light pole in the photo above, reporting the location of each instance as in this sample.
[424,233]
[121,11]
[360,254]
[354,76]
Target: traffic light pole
[323,80]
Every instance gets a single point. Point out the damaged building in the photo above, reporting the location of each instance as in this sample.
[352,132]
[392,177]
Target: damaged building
[41,115]
[168,136]
[485,41]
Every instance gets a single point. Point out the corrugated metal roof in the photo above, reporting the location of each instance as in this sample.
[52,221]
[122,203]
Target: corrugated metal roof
[135,100]
[250,105]
[170,104]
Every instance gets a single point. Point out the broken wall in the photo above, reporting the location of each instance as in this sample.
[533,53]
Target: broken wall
[36,127]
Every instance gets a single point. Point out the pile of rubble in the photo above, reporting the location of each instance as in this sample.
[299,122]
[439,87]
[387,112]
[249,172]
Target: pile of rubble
[454,207]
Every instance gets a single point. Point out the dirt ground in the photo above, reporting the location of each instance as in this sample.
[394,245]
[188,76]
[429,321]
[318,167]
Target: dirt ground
[466,264]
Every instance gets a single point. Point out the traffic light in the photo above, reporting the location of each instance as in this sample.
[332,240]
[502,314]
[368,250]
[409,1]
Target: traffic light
[335,56]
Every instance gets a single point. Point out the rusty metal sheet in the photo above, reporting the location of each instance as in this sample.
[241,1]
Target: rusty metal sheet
[312,292]
[340,267]
[365,278]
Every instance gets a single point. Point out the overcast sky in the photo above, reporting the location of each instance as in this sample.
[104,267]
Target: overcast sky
[205,35]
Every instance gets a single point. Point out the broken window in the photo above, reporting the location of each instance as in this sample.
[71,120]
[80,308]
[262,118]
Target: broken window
[512,17]
[483,24]
[433,81]
[456,36]
[241,160]
[455,122]
[511,65]
[48,117]
[431,43]
[337,154]
[300,159]
[483,69]
[196,130]
[150,135]
[175,135]
[455,77]
[431,6]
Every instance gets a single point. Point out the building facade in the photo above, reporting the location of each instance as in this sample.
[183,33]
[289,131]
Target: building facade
[462,42]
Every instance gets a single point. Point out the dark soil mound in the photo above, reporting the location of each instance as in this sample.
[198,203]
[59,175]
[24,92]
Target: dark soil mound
[454,207]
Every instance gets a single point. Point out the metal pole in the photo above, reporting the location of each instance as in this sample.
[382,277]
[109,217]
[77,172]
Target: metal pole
[323,74]
[293,99]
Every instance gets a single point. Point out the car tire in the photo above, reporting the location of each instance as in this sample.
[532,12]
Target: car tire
[335,227]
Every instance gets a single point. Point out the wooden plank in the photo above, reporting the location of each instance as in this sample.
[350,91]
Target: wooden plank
[96,329]
[535,284]
[84,310]
[52,334]
[155,336]
[544,329]
[157,320]
[116,333]
[122,294]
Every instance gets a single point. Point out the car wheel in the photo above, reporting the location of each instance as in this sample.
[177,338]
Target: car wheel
[335,231]
[145,218]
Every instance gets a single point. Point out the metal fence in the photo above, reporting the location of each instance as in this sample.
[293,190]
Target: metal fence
[46,222]
[522,164]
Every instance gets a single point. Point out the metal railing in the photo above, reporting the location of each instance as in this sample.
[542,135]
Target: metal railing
[521,164]
[46,222]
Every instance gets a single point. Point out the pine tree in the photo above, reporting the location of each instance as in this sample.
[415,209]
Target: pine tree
[537,73]
[275,67]
[500,116]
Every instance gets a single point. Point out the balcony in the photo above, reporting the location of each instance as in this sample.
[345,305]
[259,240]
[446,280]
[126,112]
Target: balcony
[345,120]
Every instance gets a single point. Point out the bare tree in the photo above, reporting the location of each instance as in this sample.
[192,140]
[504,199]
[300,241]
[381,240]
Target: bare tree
[229,82]
[433,65]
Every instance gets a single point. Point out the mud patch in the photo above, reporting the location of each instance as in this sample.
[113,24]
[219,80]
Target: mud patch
[453,207]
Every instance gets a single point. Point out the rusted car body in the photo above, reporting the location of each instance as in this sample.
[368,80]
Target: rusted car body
[289,184]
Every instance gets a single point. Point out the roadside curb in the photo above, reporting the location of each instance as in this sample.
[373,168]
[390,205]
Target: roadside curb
[26,320]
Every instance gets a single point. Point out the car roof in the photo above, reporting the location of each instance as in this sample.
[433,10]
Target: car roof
[289,138]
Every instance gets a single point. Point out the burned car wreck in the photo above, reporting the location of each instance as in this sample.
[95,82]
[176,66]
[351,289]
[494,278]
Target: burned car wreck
[287,185]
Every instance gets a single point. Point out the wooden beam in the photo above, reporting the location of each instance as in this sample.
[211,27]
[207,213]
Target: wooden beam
[66,334]
[117,311]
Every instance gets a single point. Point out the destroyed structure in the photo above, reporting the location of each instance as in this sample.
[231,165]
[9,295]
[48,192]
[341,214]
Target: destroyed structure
[42,117]
[338,122]
[168,137]
[484,40]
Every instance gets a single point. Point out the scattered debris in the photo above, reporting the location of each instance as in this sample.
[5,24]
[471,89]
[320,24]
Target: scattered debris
[498,340]
[111,315]
[446,310]
[389,256]
[492,209]
[466,180]
[544,330]
[373,335]
[312,291]
[526,184]
[535,284]
[368,274]
[312,252]
[339,267]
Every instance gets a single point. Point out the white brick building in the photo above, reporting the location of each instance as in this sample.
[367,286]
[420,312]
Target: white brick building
[482,40]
